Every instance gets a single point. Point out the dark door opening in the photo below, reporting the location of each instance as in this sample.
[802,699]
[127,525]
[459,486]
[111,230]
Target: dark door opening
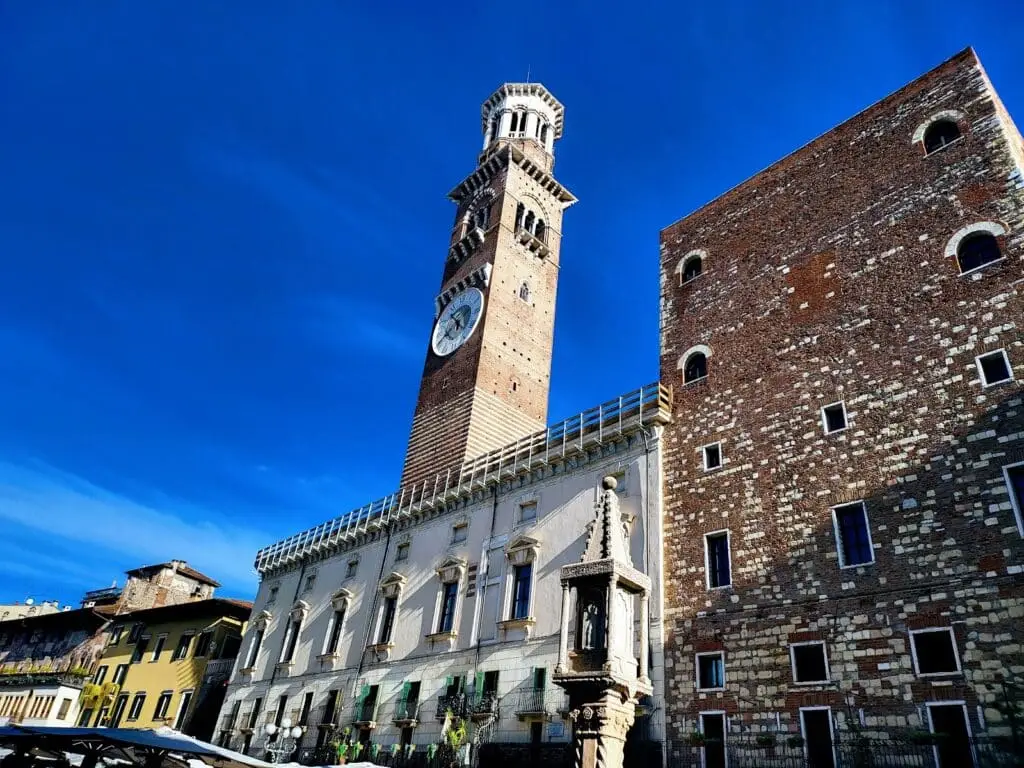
[817,725]
[954,748]
[713,728]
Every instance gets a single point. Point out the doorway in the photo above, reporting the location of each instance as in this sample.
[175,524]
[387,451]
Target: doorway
[816,723]
[712,725]
[954,749]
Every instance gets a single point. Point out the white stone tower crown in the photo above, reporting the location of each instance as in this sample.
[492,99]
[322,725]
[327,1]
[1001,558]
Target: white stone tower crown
[522,112]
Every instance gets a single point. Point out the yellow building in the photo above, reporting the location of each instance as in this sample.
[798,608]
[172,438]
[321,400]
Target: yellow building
[166,666]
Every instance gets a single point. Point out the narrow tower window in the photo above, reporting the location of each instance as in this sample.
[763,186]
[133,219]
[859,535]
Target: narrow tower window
[940,134]
[977,250]
[524,291]
[539,230]
[520,216]
[528,221]
[692,268]
[696,368]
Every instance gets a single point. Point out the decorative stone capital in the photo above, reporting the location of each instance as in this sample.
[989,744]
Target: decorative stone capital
[299,610]
[341,599]
[451,570]
[522,550]
[392,585]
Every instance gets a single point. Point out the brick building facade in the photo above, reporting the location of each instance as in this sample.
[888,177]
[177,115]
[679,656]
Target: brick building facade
[842,331]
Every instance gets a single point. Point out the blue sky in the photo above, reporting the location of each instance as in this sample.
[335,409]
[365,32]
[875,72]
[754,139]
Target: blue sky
[222,226]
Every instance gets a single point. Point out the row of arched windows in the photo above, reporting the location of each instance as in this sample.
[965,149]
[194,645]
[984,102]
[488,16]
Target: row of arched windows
[526,219]
[518,126]
[974,246]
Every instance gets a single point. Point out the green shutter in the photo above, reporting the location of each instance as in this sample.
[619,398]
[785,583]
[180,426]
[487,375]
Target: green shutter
[478,685]
[404,696]
[363,693]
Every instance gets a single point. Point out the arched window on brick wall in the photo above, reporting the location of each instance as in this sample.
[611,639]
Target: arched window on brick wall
[976,245]
[694,363]
[691,266]
[939,130]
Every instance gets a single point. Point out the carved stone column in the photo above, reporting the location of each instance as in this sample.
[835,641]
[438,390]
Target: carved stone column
[563,631]
[599,731]
[645,612]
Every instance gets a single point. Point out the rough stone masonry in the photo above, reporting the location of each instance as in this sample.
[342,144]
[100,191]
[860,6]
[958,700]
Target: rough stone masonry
[832,277]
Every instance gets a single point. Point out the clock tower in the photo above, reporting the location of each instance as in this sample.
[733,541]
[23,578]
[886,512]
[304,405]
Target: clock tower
[488,366]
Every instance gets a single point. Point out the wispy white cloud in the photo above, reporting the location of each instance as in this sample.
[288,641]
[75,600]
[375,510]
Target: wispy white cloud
[77,515]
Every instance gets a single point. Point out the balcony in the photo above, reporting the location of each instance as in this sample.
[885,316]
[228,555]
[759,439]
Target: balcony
[485,706]
[366,714]
[406,714]
[457,703]
[536,703]
[43,679]
[217,671]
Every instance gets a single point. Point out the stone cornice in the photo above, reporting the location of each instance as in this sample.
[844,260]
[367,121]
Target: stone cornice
[496,162]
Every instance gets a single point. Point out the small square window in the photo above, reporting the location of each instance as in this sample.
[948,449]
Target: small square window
[934,651]
[994,368]
[716,552]
[459,533]
[310,583]
[809,662]
[1014,476]
[273,595]
[833,418]
[527,511]
[402,553]
[350,571]
[712,456]
[853,535]
[710,671]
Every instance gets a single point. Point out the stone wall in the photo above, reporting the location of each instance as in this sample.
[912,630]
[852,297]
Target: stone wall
[825,279]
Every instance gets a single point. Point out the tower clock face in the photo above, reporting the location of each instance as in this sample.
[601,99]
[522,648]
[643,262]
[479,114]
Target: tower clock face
[457,322]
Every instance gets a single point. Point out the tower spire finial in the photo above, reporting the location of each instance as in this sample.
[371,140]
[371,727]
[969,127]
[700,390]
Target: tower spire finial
[527,73]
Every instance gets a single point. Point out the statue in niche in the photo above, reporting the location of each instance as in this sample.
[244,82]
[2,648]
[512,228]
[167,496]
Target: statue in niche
[592,622]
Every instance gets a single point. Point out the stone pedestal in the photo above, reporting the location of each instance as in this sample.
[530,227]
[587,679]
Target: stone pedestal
[599,730]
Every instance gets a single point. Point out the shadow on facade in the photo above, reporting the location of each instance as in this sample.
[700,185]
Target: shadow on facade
[946,557]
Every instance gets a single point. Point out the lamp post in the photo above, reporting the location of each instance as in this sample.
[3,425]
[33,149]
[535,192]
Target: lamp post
[285,744]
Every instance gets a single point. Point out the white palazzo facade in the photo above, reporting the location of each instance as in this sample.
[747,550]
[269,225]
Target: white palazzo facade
[447,597]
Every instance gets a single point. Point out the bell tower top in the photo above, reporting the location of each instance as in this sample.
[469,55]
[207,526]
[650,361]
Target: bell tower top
[526,115]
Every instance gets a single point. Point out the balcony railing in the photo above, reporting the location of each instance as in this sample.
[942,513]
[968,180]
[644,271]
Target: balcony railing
[648,405]
[366,712]
[456,703]
[539,702]
[218,669]
[42,679]
[484,705]
[407,710]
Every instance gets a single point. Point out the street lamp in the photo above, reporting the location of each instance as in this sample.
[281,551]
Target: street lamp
[285,745]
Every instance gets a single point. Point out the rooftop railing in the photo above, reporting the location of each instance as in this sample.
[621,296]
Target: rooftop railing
[651,404]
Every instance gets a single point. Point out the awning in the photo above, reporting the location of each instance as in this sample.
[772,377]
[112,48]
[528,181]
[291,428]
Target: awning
[140,746]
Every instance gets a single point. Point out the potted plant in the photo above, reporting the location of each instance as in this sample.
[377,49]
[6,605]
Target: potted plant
[765,740]
[341,748]
[795,741]
[697,739]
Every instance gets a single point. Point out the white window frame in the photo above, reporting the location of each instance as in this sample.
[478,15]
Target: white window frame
[139,698]
[704,456]
[1018,514]
[156,710]
[725,733]
[792,664]
[528,505]
[696,669]
[183,703]
[952,640]
[460,526]
[404,546]
[967,721]
[824,419]
[839,541]
[981,373]
[159,643]
[831,731]
[707,558]
[953,245]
